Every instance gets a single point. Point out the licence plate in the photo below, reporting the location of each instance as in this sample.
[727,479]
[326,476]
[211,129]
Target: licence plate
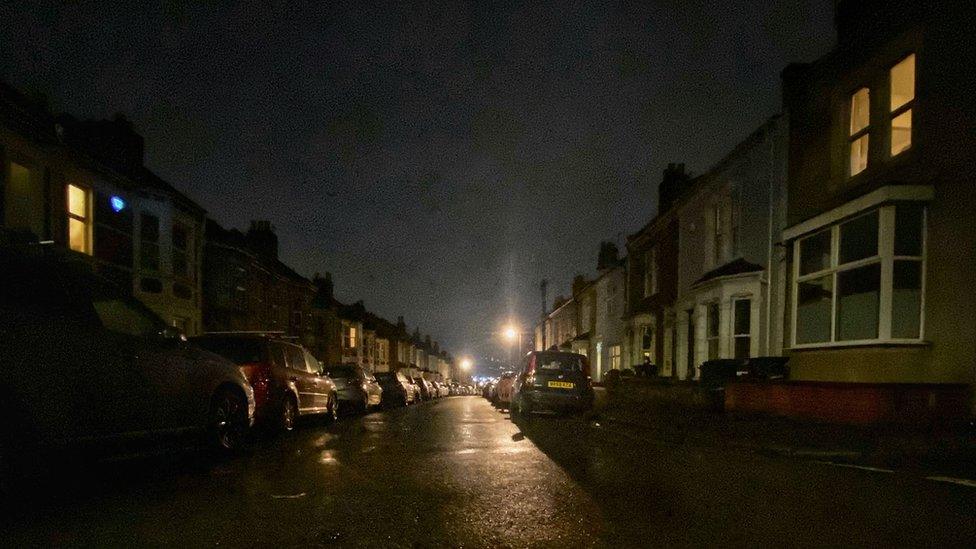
[561,385]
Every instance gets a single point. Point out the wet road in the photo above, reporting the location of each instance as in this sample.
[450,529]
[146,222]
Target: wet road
[457,472]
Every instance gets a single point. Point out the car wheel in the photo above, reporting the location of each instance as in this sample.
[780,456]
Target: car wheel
[228,421]
[289,413]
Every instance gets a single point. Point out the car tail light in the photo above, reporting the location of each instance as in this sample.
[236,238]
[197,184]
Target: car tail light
[258,374]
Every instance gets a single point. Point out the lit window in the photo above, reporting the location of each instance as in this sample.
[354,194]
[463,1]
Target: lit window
[860,126]
[650,272]
[615,357]
[844,272]
[902,101]
[741,327]
[79,219]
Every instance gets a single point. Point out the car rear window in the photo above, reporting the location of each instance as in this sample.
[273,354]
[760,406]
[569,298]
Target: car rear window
[341,371]
[238,350]
[563,362]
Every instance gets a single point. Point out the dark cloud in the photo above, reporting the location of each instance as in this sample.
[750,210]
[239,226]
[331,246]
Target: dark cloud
[439,157]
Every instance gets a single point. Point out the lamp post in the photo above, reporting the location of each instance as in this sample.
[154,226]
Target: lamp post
[514,335]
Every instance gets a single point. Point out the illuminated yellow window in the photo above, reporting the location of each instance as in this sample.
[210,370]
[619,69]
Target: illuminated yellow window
[860,126]
[902,101]
[79,219]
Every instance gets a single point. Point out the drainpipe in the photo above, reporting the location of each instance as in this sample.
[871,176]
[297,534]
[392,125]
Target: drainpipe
[769,249]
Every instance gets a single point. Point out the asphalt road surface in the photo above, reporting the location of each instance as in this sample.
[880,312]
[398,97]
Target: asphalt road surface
[457,472]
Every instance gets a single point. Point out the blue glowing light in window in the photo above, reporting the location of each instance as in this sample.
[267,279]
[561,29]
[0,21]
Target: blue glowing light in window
[117,203]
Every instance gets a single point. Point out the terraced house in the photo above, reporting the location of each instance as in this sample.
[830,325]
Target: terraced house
[881,231]
[81,185]
[729,261]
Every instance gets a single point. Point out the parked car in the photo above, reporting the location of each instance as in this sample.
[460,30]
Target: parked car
[552,381]
[288,381]
[397,388]
[426,392]
[503,390]
[358,389]
[83,363]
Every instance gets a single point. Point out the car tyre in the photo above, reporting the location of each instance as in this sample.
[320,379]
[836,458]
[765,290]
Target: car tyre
[228,421]
[288,414]
[332,412]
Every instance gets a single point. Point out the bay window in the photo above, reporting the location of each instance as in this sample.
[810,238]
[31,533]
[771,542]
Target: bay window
[860,280]
[741,327]
[713,322]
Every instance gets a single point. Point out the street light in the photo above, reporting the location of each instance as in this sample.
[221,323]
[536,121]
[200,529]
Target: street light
[466,364]
[513,334]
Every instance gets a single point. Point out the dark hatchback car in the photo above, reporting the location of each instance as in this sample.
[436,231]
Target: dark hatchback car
[288,381]
[397,388]
[86,366]
[552,381]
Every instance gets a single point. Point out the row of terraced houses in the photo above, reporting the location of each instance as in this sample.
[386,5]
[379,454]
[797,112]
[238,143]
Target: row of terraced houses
[82,186]
[841,234]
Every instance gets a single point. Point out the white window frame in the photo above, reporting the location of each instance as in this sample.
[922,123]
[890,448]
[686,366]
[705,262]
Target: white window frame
[885,257]
[717,336]
[615,357]
[733,335]
[718,234]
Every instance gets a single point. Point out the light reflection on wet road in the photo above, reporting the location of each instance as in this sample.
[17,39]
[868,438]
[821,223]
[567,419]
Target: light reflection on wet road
[457,472]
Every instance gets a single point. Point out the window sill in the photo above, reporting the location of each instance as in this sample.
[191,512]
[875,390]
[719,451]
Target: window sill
[865,343]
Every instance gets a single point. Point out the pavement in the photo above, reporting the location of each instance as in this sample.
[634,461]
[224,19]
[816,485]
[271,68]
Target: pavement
[458,473]
[947,450]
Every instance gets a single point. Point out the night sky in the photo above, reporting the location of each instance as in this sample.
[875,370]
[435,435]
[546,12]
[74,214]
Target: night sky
[439,159]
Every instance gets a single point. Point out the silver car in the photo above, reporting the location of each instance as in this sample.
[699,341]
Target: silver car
[84,362]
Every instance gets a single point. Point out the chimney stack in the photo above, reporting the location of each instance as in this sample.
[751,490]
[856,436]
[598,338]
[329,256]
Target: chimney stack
[262,239]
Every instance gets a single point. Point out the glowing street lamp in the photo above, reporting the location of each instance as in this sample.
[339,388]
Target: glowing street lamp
[466,364]
[513,334]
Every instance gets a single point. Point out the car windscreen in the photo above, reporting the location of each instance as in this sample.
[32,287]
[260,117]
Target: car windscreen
[341,371]
[238,350]
[558,362]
